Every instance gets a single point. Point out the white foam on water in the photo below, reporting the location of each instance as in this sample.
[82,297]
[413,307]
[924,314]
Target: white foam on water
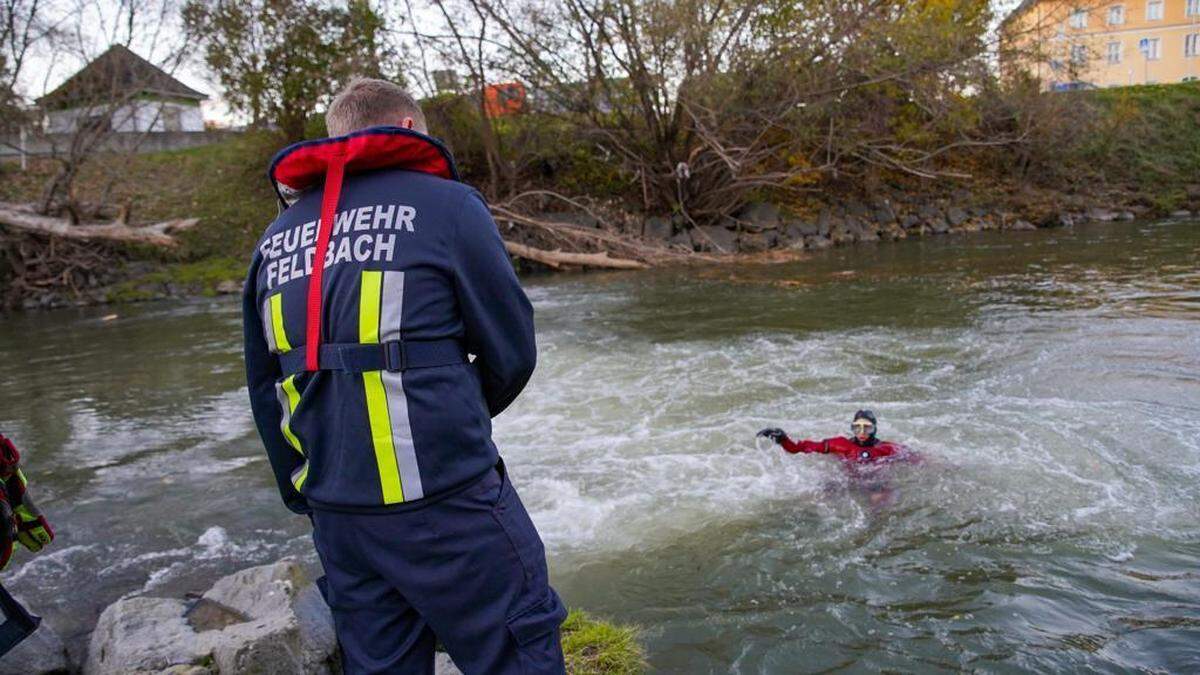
[620,443]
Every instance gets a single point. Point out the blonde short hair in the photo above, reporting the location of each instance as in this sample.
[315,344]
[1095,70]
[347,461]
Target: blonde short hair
[370,103]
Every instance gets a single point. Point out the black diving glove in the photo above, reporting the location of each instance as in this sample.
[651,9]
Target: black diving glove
[776,435]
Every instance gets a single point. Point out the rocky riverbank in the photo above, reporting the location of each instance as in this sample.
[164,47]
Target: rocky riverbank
[758,228]
[266,619]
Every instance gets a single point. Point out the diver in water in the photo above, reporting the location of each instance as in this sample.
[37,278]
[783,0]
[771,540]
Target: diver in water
[861,454]
[861,448]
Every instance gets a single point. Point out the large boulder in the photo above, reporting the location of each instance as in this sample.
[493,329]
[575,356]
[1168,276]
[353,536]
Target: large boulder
[756,242]
[956,215]
[826,222]
[938,226]
[42,653]
[884,213]
[715,238]
[929,212]
[1020,225]
[264,619]
[682,239]
[657,228]
[817,242]
[759,216]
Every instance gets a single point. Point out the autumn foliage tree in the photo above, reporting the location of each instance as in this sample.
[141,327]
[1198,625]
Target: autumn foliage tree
[279,60]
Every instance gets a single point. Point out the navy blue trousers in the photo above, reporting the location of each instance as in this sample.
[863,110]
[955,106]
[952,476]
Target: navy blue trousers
[469,570]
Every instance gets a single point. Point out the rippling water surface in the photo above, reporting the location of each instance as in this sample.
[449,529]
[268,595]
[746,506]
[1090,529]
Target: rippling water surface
[1050,379]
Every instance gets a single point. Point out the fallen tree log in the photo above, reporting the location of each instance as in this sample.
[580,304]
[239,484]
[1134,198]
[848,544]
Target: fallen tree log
[22,218]
[557,259]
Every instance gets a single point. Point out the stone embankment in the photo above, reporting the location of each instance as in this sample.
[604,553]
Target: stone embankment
[268,619]
[762,226]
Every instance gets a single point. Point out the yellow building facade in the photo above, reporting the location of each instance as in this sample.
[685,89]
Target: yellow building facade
[1069,45]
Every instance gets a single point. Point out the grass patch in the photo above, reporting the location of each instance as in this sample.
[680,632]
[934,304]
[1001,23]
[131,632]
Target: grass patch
[206,277]
[594,647]
[1146,136]
[223,184]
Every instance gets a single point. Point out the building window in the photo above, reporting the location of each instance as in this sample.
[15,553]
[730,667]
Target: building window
[1193,7]
[1191,78]
[1079,55]
[1114,52]
[1154,10]
[1079,18]
[1191,44]
[1116,15]
[1151,48]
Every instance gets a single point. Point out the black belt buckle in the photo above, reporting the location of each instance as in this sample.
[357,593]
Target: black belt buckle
[395,357]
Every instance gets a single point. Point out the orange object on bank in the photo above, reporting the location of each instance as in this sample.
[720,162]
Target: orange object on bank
[500,100]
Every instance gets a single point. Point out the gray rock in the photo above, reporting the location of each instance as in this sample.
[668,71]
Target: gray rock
[442,665]
[803,229]
[42,653]
[1181,213]
[857,209]
[287,628]
[682,238]
[909,221]
[938,226]
[759,215]
[715,238]
[1102,215]
[229,287]
[754,242]
[143,634]
[956,215]
[841,234]
[1020,225]
[1126,215]
[817,243]
[825,222]
[657,228]
[929,212]
[885,214]
[893,232]
[1066,220]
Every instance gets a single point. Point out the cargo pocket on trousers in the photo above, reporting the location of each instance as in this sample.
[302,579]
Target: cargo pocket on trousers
[535,630]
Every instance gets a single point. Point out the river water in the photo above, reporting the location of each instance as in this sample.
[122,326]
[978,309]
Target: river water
[1050,379]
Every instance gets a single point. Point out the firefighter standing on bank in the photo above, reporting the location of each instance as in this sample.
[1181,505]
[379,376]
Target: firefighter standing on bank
[376,421]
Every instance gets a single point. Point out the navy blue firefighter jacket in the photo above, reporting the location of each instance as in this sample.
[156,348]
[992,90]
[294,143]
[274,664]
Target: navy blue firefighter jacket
[358,369]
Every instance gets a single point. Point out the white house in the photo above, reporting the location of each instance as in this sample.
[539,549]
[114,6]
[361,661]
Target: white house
[124,92]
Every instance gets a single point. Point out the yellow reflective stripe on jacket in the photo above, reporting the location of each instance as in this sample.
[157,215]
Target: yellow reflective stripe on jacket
[370,297]
[292,400]
[289,398]
[277,327]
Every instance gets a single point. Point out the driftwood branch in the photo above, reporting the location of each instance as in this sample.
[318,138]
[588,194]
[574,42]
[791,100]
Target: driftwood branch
[159,234]
[559,258]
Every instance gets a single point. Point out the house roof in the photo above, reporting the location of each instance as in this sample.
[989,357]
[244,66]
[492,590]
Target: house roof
[117,73]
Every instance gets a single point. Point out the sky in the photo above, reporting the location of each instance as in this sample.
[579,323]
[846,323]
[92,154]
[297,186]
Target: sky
[92,25]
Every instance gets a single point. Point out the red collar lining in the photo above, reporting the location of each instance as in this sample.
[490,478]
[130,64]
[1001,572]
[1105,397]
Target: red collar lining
[302,165]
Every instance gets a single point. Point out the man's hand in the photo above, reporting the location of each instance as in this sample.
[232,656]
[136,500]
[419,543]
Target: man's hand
[776,435]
